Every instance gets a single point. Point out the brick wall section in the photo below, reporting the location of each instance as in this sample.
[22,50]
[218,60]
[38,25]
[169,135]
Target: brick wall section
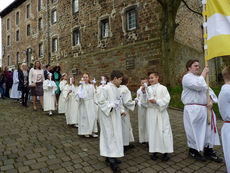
[140,48]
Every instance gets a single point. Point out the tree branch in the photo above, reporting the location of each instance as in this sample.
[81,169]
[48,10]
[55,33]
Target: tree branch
[185,3]
[161,2]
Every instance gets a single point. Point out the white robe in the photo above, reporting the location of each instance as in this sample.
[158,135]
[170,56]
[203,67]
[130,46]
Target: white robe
[224,107]
[72,104]
[129,105]
[111,143]
[15,94]
[61,101]
[49,98]
[88,115]
[199,133]
[159,128]
[142,117]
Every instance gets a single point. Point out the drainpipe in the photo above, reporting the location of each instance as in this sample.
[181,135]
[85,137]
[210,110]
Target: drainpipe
[48,30]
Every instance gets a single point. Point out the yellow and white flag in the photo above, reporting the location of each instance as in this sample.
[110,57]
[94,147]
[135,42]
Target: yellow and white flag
[218,28]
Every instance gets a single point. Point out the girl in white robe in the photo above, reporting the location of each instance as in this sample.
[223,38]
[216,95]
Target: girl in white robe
[62,102]
[159,128]
[49,88]
[129,105]
[88,115]
[15,94]
[142,110]
[72,102]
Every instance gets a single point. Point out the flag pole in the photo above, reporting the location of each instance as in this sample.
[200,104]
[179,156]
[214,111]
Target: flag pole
[206,55]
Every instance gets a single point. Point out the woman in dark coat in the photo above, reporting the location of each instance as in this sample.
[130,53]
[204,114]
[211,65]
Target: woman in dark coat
[23,86]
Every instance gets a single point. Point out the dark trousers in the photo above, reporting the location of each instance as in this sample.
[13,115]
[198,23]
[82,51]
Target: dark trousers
[25,91]
[2,90]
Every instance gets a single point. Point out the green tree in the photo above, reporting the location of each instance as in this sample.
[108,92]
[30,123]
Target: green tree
[168,28]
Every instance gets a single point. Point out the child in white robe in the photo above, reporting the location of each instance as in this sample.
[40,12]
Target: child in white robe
[72,102]
[62,102]
[224,107]
[129,105]
[49,88]
[111,143]
[159,128]
[142,108]
[88,115]
[104,81]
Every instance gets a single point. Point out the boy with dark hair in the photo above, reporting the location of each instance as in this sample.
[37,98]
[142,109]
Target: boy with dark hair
[159,128]
[111,109]
[224,107]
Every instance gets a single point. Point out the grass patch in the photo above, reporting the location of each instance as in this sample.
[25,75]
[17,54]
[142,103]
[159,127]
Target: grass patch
[175,93]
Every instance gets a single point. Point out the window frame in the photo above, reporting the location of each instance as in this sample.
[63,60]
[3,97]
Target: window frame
[8,41]
[17,57]
[40,50]
[53,45]
[17,35]
[40,5]
[8,24]
[52,16]
[28,32]
[8,60]
[17,18]
[103,29]
[73,6]
[40,23]
[74,43]
[128,11]
[28,11]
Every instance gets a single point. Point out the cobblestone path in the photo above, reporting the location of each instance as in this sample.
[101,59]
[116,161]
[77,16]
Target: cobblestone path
[34,142]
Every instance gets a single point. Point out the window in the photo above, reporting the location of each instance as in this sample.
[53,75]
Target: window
[40,50]
[53,1]
[8,24]
[28,30]
[18,57]
[40,23]
[105,28]
[28,11]
[54,16]
[75,6]
[17,18]
[8,40]
[54,45]
[8,60]
[76,37]
[17,35]
[40,5]
[131,19]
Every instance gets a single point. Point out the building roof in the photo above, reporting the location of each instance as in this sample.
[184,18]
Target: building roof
[11,7]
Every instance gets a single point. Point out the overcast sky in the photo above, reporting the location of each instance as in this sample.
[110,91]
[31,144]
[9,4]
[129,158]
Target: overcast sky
[3,4]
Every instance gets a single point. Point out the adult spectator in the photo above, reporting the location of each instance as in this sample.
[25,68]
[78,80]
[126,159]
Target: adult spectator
[23,86]
[2,83]
[36,78]
[15,94]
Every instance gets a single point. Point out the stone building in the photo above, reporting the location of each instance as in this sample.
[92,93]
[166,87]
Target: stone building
[96,36]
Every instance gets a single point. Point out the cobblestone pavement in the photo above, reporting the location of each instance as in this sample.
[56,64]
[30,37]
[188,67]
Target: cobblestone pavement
[34,142]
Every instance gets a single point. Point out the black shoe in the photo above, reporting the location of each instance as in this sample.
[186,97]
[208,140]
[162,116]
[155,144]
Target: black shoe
[131,146]
[117,161]
[154,156]
[165,157]
[196,155]
[209,154]
[112,163]
[126,148]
